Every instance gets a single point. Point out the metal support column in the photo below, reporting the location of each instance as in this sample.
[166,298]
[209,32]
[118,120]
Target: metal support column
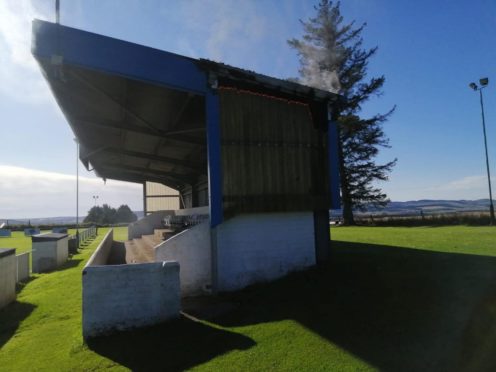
[214,172]
[214,157]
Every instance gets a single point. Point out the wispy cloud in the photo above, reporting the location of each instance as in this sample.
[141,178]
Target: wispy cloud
[467,183]
[32,193]
[229,33]
[230,30]
[19,74]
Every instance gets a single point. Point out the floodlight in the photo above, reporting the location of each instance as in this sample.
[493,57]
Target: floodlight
[483,83]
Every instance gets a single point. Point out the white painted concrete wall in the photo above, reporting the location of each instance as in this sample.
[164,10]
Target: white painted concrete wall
[262,247]
[22,266]
[7,279]
[191,248]
[102,252]
[49,255]
[147,225]
[119,297]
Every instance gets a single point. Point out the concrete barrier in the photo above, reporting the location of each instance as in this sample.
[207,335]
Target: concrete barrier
[120,297]
[101,254]
[191,248]
[49,251]
[22,267]
[7,276]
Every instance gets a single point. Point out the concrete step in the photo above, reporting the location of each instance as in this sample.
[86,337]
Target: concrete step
[151,240]
[137,251]
[164,234]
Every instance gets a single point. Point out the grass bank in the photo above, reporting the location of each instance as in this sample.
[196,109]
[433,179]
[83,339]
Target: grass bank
[390,299]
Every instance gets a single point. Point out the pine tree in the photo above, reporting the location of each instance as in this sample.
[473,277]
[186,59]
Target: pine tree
[332,58]
[125,214]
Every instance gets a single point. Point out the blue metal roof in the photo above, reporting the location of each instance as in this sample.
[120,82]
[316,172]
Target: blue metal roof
[113,56]
[140,113]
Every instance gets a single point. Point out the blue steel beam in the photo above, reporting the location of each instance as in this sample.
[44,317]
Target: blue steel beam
[117,57]
[214,157]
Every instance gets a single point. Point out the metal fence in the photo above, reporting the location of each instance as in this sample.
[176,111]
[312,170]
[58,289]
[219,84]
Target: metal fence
[84,235]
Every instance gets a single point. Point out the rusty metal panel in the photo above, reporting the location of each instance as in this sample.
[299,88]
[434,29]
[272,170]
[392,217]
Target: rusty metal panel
[272,154]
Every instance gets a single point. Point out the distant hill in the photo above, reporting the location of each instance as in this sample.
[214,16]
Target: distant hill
[429,207]
[41,220]
[64,220]
[413,207]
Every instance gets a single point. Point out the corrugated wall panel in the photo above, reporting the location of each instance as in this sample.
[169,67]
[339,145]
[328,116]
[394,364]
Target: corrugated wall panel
[160,197]
[270,155]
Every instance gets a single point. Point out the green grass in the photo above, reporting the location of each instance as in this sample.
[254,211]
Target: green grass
[450,239]
[120,234]
[18,241]
[23,243]
[390,299]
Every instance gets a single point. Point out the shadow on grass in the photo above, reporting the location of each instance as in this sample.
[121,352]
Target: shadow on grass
[10,317]
[20,285]
[172,346]
[86,243]
[396,308]
[69,264]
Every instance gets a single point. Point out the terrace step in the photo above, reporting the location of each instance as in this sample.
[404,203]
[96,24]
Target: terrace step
[164,234]
[151,240]
[138,251]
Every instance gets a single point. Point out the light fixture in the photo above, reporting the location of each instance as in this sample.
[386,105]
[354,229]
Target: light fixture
[484,82]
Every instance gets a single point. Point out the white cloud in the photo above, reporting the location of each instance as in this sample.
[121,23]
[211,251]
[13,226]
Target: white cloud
[20,75]
[466,183]
[30,193]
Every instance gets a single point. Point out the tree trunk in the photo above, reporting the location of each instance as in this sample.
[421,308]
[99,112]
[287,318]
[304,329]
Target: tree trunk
[348,218]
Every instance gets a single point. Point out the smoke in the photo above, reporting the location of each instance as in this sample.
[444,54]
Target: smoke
[320,67]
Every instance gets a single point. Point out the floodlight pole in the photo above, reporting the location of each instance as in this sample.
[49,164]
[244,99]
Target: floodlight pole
[57,11]
[491,206]
[474,86]
[77,193]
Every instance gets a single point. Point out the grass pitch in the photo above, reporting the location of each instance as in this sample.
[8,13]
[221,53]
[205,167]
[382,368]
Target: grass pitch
[23,243]
[390,299]
[18,241]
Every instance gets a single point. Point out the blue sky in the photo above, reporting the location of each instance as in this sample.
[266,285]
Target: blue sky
[428,50]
